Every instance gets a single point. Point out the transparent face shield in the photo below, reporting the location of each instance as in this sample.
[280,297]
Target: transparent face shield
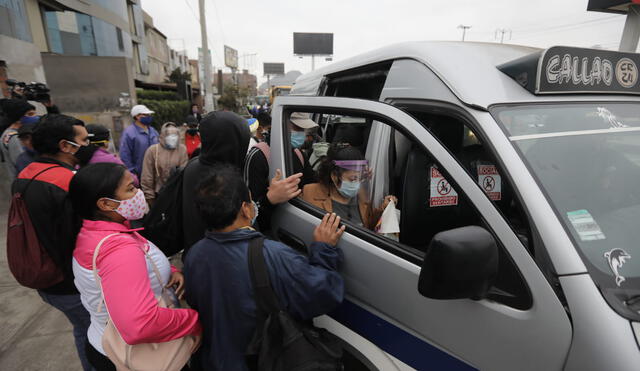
[354,170]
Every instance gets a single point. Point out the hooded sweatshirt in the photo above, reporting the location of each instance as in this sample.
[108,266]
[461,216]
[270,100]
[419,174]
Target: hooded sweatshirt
[160,161]
[225,137]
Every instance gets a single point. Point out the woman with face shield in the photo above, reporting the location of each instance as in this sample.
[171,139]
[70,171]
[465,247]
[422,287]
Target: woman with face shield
[161,160]
[343,177]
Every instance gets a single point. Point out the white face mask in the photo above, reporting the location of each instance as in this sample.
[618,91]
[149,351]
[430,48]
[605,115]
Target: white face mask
[171,141]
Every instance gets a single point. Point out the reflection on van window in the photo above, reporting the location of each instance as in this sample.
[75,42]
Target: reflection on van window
[587,159]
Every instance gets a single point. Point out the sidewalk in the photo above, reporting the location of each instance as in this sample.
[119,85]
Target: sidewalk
[35,336]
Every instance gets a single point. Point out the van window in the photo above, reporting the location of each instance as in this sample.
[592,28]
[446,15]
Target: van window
[364,82]
[364,167]
[474,155]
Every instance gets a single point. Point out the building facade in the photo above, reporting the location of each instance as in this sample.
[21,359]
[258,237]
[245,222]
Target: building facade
[245,80]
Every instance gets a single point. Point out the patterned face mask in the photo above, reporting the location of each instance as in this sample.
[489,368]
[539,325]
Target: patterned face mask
[133,208]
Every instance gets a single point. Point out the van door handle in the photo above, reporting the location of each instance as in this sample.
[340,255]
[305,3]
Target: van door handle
[292,241]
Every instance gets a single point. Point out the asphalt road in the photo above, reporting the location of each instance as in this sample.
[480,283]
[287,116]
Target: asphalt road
[34,335]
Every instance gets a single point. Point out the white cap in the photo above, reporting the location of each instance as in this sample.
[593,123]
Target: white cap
[140,109]
[302,120]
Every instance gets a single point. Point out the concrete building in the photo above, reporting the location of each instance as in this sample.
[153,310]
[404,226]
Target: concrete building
[179,60]
[84,50]
[244,79]
[158,54]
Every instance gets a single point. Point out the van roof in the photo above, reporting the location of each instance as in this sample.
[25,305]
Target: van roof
[469,69]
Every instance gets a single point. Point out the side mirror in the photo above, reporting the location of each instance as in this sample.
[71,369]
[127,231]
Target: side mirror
[460,263]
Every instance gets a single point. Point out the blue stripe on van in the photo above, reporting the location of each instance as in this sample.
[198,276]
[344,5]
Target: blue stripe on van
[395,341]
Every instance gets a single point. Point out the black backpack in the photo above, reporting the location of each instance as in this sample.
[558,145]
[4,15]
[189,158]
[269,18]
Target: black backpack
[281,343]
[163,224]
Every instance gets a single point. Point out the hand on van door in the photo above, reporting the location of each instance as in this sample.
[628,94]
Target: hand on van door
[329,231]
[282,190]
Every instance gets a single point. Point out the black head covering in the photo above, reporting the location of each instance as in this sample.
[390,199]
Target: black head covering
[97,132]
[14,109]
[225,138]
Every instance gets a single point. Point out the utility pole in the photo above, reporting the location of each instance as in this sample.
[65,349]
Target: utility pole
[502,32]
[206,86]
[631,31]
[464,30]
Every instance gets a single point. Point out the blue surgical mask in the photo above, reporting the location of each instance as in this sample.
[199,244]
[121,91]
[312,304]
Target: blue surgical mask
[297,138]
[26,120]
[146,120]
[349,189]
[255,217]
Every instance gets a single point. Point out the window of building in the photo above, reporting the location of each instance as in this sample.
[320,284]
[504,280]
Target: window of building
[13,20]
[119,37]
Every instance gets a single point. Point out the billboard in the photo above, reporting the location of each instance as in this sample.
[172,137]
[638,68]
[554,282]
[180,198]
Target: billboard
[611,6]
[305,43]
[230,57]
[273,68]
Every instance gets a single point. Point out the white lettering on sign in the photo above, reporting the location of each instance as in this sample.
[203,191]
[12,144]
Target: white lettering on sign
[626,72]
[441,192]
[490,181]
[572,69]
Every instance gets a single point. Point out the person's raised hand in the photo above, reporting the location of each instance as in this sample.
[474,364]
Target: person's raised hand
[282,190]
[388,199]
[329,231]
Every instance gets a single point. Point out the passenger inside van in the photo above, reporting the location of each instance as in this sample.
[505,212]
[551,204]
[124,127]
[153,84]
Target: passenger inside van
[342,176]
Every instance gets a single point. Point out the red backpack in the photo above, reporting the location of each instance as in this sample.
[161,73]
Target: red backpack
[28,261]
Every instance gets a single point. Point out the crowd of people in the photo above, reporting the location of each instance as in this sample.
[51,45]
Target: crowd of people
[87,206]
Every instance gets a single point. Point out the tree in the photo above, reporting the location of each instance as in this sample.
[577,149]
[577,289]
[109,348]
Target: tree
[178,76]
[233,98]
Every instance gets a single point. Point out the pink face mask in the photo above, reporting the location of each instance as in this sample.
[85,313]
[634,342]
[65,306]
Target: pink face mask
[133,208]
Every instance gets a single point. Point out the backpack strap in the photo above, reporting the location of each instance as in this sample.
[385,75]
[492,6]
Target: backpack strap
[266,150]
[35,176]
[266,299]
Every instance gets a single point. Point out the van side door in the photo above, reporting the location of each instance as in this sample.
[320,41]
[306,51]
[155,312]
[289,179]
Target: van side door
[382,304]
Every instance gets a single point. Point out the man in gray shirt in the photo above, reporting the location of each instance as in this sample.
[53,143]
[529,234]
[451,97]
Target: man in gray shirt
[17,111]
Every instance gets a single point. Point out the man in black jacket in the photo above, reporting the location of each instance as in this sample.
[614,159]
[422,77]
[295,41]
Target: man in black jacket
[224,140]
[59,140]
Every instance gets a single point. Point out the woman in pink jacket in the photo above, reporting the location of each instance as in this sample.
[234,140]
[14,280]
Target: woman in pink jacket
[104,196]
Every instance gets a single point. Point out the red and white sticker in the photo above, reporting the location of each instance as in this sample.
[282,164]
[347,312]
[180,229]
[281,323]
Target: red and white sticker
[442,193]
[489,180]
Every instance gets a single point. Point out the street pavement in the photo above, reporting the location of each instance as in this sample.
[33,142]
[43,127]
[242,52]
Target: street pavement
[33,335]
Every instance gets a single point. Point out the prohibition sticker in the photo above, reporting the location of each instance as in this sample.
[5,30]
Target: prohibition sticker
[489,180]
[585,225]
[441,193]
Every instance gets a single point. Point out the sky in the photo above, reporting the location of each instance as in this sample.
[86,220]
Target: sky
[262,31]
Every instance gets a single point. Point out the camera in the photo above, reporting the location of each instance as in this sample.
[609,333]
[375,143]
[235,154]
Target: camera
[36,91]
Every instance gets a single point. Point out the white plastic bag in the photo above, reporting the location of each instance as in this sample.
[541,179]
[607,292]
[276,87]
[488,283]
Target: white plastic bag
[389,223]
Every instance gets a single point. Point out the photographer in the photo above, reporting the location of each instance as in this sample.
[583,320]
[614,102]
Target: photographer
[18,112]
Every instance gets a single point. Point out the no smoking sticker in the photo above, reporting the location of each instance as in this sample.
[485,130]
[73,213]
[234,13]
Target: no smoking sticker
[489,180]
[442,193]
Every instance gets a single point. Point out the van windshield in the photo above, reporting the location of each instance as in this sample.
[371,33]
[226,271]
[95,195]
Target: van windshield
[586,158]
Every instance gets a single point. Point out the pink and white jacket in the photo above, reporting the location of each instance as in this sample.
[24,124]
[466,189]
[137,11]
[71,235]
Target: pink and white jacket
[130,286]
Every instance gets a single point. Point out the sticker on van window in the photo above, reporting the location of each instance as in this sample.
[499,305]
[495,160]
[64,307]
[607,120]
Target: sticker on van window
[489,180]
[585,225]
[616,259]
[442,193]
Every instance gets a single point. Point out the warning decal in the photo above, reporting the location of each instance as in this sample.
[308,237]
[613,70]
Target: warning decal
[442,193]
[489,180]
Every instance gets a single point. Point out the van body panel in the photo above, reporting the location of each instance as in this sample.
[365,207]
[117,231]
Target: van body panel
[481,334]
[468,69]
[602,339]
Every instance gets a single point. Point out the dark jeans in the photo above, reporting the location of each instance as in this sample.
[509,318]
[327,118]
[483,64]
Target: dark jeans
[72,308]
[98,360]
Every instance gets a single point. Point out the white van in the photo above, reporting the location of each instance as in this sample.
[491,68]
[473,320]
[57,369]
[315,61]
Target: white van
[517,174]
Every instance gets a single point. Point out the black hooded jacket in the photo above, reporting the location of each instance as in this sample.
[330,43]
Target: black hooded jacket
[225,139]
